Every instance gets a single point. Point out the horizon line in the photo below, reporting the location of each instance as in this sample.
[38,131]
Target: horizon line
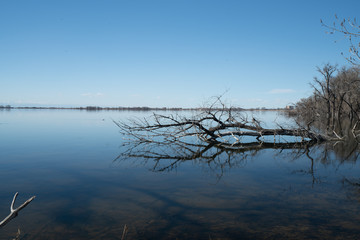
[144,108]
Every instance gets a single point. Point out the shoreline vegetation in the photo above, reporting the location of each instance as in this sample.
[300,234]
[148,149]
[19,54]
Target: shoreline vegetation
[96,108]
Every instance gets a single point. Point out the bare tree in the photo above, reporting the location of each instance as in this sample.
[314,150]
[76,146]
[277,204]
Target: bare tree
[334,106]
[324,91]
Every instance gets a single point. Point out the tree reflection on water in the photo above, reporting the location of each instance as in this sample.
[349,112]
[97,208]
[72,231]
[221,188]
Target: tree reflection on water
[295,204]
[166,156]
[162,156]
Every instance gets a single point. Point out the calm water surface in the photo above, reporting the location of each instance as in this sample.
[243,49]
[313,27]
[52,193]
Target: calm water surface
[66,158]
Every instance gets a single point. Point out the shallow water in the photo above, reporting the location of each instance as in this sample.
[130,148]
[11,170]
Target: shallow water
[66,158]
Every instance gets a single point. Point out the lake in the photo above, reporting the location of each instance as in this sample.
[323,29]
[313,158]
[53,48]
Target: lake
[69,160]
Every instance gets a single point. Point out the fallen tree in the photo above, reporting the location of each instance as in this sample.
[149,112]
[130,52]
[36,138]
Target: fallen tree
[215,124]
[219,138]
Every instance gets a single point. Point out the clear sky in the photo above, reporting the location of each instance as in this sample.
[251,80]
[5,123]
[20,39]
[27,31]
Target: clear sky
[168,53]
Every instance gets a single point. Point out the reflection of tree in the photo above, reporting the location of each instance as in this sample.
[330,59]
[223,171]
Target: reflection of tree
[330,153]
[221,138]
[352,186]
[349,152]
[310,171]
[218,158]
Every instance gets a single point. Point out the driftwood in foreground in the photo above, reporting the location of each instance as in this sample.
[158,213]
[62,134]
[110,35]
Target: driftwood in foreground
[14,212]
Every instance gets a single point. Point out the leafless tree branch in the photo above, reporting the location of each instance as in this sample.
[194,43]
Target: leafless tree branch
[350,30]
[14,212]
[217,124]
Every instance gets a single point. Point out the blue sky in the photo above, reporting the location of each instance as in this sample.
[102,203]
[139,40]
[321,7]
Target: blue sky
[169,53]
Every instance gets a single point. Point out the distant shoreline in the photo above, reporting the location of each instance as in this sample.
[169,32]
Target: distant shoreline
[95,108]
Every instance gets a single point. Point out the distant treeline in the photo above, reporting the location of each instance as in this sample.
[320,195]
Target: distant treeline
[96,108]
[6,107]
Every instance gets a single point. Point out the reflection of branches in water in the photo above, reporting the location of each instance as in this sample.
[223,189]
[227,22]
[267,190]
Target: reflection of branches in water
[220,138]
[335,154]
[17,237]
[218,158]
[329,153]
[166,156]
[346,151]
[353,187]
[351,182]
[310,171]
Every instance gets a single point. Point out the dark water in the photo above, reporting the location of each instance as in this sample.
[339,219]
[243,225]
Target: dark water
[66,158]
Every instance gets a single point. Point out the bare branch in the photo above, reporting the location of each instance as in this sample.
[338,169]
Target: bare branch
[350,30]
[211,126]
[14,212]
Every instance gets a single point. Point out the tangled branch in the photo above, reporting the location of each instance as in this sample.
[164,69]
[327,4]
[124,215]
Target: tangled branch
[216,125]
